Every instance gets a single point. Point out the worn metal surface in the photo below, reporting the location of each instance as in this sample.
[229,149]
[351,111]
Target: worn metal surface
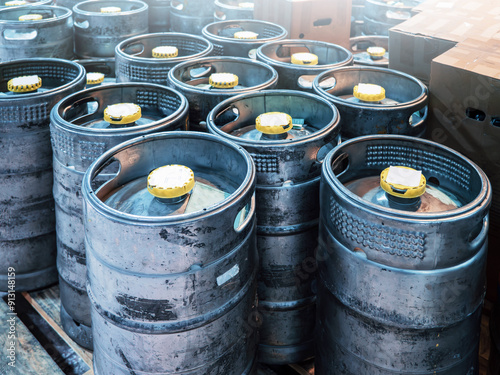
[159,15]
[28,3]
[253,76]
[75,146]
[158,303]
[226,10]
[389,12]
[190,16]
[97,34]
[49,37]
[221,35]
[400,292]
[27,222]
[359,45]
[135,63]
[494,359]
[406,117]
[287,196]
[299,77]
[104,66]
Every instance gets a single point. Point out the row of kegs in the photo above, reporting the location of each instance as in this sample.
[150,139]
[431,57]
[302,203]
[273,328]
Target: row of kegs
[312,218]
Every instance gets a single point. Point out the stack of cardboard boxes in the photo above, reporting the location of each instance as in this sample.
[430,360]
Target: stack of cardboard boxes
[454,46]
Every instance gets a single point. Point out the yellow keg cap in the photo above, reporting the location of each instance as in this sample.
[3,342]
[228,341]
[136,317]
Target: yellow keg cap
[165,52]
[375,52]
[122,113]
[223,80]
[246,5]
[111,10]
[94,78]
[24,84]
[369,92]
[31,17]
[304,58]
[14,3]
[245,35]
[402,182]
[171,181]
[273,123]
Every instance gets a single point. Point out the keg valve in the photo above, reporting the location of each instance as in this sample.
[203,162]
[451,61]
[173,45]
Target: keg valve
[403,187]
[24,84]
[376,53]
[122,114]
[369,93]
[94,79]
[165,52]
[304,58]
[274,125]
[171,183]
[223,80]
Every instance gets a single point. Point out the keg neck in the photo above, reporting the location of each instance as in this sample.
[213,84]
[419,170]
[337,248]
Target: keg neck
[403,204]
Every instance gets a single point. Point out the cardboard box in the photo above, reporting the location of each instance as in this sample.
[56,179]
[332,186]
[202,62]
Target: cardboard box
[325,20]
[459,7]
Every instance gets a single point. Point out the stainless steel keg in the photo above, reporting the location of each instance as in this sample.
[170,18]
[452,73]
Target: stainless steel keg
[148,58]
[226,10]
[288,160]
[99,71]
[27,223]
[35,31]
[241,38]
[375,100]
[205,82]
[19,3]
[298,62]
[381,15]
[171,256]
[370,50]
[403,242]
[494,325]
[159,15]
[101,24]
[190,16]
[80,132]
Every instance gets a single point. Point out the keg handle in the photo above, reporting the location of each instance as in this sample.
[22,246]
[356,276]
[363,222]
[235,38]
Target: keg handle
[476,241]
[81,23]
[14,34]
[399,15]
[177,4]
[248,217]
[419,124]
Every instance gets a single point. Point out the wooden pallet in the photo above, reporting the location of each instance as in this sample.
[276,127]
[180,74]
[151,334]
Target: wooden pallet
[43,348]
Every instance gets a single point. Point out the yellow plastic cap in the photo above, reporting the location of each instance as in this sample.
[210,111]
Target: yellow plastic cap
[304,58]
[165,52]
[14,3]
[223,80]
[111,10]
[368,92]
[246,5]
[376,51]
[171,181]
[403,182]
[31,17]
[273,123]
[122,113]
[24,84]
[245,35]
[94,78]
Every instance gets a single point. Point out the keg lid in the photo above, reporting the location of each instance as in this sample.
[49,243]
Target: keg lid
[403,182]
[304,58]
[376,52]
[165,52]
[111,10]
[14,3]
[245,35]
[24,84]
[94,78]
[223,80]
[30,17]
[171,181]
[246,5]
[273,123]
[369,92]
[122,113]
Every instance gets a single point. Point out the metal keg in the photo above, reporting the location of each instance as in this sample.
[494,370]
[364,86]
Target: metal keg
[401,260]
[171,256]
[375,100]
[190,16]
[159,15]
[35,31]
[27,223]
[99,71]
[18,3]
[494,325]
[298,62]
[101,24]
[148,58]
[381,15]
[208,81]
[370,50]
[241,38]
[81,130]
[226,10]
[287,199]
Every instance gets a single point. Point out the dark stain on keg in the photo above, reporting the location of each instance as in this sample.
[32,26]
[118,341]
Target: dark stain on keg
[142,308]
[127,363]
